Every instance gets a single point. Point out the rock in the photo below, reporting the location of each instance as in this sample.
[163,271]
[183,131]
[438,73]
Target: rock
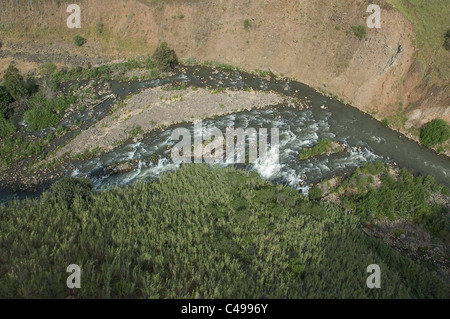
[402,236]
[436,249]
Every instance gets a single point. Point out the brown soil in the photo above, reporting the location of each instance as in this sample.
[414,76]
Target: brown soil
[309,41]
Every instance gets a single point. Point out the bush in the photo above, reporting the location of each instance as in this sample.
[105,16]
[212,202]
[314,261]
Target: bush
[359,31]
[447,40]
[165,58]
[40,117]
[15,84]
[385,122]
[47,69]
[5,100]
[434,132]
[6,127]
[78,40]
[66,190]
[246,23]
[315,193]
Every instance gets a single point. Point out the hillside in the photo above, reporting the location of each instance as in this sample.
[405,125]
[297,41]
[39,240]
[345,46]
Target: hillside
[398,72]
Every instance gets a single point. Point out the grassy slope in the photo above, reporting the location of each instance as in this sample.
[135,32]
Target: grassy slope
[199,233]
[430,20]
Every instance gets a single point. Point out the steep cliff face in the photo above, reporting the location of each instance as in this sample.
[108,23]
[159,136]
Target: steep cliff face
[310,41]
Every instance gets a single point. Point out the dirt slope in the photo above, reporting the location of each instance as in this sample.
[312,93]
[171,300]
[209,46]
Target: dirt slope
[310,41]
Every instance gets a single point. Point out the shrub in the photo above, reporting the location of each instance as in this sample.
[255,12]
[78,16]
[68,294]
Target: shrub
[15,84]
[79,40]
[39,117]
[359,31]
[47,69]
[181,16]
[5,100]
[315,193]
[447,40]
[67,189]
[6,127]
[385,122]
[246,23]
[165,58]
[434,132]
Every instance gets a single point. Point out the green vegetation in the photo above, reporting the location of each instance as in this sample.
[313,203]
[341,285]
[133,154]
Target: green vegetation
[323,147]
[359,31]
[47,69]
[315,193]
[6,127]
[14,83]
[181,16]
[247,23]
[42,113]
[39,117]
[239,237]
[79,40]
[5,100]
[434,133]
[65,191]
[165,58]
[403,196]
[385,122]
[447,40]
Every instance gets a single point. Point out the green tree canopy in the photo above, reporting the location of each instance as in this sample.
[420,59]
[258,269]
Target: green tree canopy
[434,132]
[165,58]
[15,84]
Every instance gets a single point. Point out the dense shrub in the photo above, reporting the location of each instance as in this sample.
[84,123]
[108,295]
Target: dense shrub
[315,193]
[5,100]
[434,132]
[79,40]
[14,83]
[359,31]
[182,238]
[324,146]
[165,58]
[39,117]
[6,127]
[66,190]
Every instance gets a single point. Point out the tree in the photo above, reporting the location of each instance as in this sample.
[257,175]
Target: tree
[165,58]
[66,190]
[434,132]
[15,84]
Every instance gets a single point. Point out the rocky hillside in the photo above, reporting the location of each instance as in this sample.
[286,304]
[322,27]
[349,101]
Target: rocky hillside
[310,41]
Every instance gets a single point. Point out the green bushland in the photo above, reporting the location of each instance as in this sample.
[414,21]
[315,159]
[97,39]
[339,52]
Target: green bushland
[404,196]
[434,132]
[42,112]
[359,31]
[40,117]
[79,40]
[324,146]
[198,232]
[165,58]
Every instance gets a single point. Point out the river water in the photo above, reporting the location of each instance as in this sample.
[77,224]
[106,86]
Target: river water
[367,139]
